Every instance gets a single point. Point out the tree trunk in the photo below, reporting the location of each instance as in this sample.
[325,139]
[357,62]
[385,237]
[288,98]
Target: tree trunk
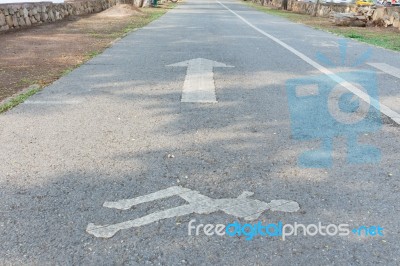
[314,13]
[284,4]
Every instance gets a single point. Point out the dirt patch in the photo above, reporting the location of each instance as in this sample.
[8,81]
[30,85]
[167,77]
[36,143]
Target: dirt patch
[121,11]
[42,54]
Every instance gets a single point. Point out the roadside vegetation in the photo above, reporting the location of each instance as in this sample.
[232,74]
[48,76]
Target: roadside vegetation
[388,38]
[20,98]
[54,50]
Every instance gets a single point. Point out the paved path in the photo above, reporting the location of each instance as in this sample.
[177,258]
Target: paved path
[116,129]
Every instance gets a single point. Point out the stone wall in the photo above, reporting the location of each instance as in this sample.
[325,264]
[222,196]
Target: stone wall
[29,14]
[389,15]
[324,9]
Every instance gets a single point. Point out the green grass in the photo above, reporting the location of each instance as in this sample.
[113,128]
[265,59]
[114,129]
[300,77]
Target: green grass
[273,11]
[353,35]
[388,38]
[92,54]
[20,98]
[25,82]
[67,71]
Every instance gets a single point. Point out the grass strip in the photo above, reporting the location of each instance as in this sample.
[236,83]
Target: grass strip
[388,38]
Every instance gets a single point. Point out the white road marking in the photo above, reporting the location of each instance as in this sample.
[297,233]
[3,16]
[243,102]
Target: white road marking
[323,44]
[199,84]
[242,207]
[362,95]
[307,90]
[394,71]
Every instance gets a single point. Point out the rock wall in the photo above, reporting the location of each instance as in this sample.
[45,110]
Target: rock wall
[387,16]
[380,16]
[324,9]
[14,16]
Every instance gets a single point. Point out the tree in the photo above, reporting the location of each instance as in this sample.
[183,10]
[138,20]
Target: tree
[284,4]
[314,13]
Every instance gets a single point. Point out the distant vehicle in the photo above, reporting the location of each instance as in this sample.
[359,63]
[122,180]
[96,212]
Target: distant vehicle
[388,2]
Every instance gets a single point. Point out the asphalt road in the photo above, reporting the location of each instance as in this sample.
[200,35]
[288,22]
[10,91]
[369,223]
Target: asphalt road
[115,128]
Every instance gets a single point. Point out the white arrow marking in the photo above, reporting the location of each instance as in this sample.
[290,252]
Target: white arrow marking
[199,84]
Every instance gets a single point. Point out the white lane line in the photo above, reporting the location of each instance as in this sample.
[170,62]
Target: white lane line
[362,95]
[394,71]
[199,84]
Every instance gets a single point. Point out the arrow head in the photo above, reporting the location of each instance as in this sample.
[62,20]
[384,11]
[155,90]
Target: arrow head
[199,61]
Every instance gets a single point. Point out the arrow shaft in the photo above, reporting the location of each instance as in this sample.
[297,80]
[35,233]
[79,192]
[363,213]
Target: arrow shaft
[199,83]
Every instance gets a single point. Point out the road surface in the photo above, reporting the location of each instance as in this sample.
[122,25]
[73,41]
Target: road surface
[200,99]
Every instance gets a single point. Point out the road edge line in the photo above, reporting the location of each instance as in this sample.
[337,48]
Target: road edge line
[362,95]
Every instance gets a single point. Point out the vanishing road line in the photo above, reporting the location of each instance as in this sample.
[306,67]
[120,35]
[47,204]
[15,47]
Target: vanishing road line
[199,86]
[393,71]
[362,95]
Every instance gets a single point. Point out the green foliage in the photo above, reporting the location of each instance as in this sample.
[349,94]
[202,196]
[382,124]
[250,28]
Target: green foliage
[20,98]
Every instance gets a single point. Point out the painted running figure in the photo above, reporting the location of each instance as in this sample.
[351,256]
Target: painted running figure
[241,207]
